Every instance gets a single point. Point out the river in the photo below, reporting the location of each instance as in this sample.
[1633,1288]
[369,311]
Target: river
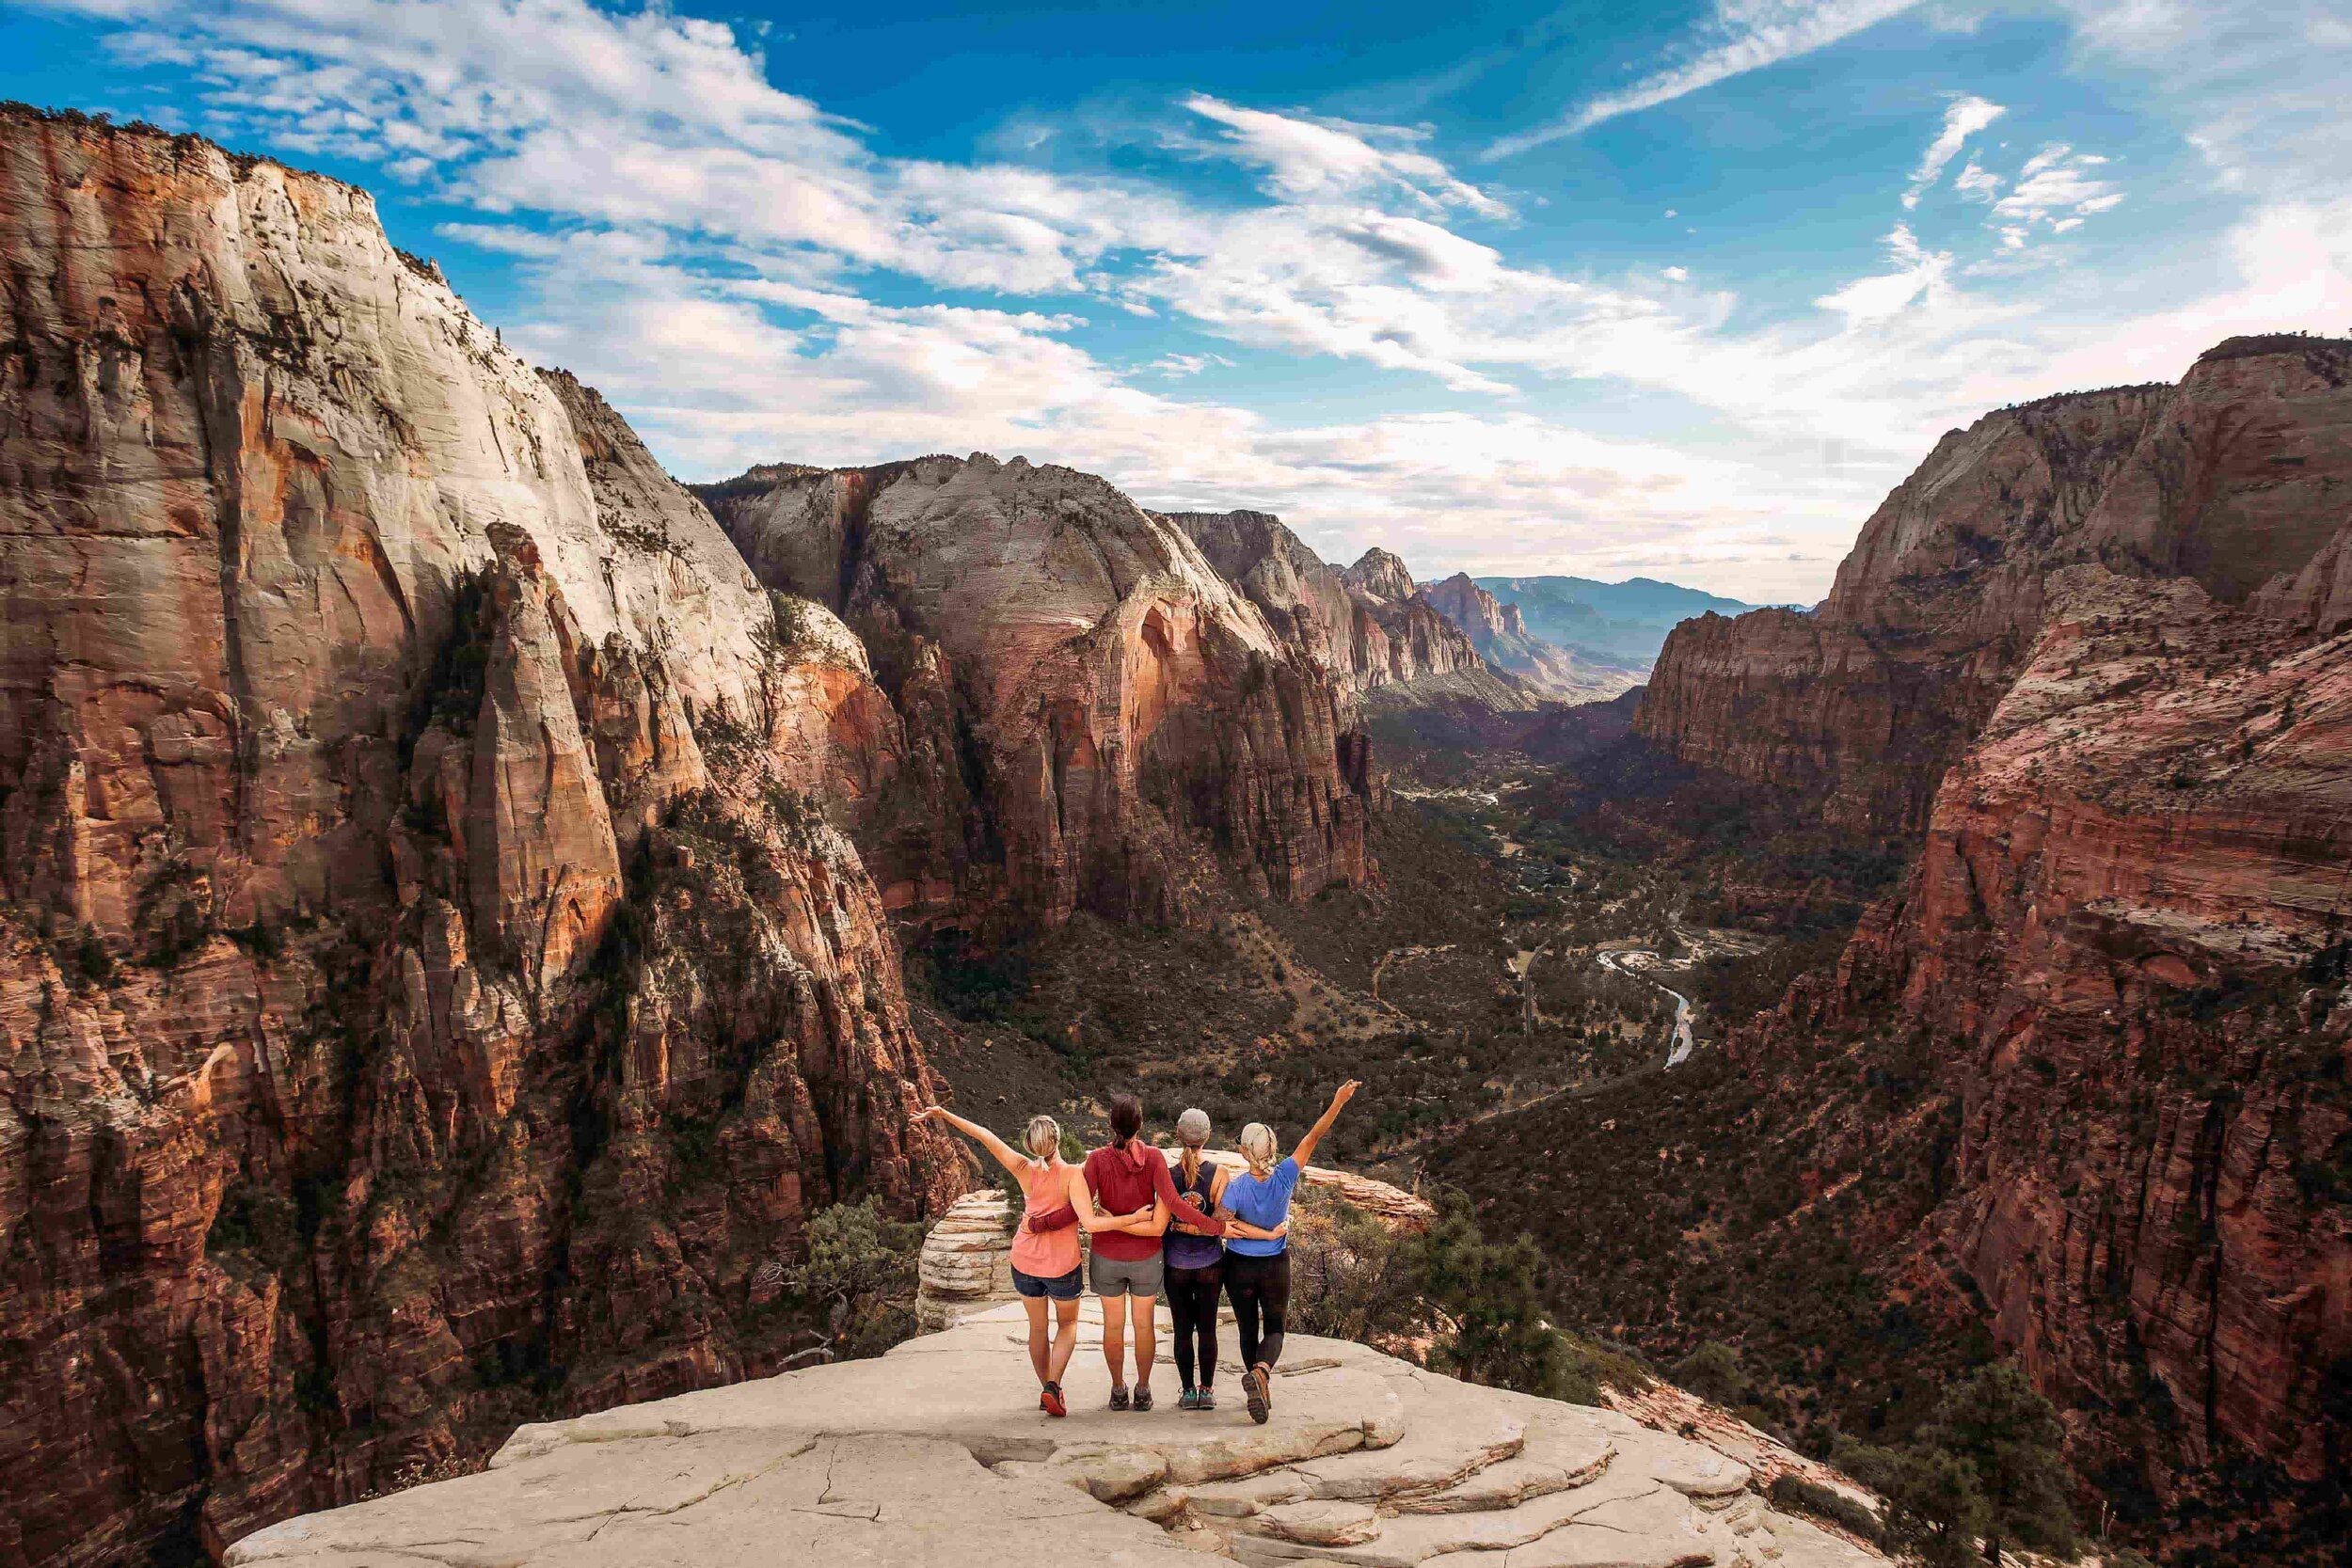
[1679,1050]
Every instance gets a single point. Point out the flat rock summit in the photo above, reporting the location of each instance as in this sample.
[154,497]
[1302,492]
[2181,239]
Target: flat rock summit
[936,1453]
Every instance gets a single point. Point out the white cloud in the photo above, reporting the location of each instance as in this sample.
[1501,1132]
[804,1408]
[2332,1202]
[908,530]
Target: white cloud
[1309,159]
[1917,275]
[1964,118]
[1977,184]
[704,246]
[1742,36]
[2057,185]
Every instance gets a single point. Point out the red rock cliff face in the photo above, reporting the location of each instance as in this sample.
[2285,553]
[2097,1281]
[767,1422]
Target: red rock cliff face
[2125,928]
[1103,706]
[429,990]
[1866,701]
[2127,923]
[1389,652]
[2233,478]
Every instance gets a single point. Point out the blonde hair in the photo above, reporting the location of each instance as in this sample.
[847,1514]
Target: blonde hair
[1257,1147]
[1043,1138]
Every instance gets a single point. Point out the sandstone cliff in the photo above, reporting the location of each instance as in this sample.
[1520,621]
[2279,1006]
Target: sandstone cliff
[2232,479]
[1104,719]
[1367,626]
[2126,922]
[430,993]
[1499,634]
[2092,651]
[937,1451]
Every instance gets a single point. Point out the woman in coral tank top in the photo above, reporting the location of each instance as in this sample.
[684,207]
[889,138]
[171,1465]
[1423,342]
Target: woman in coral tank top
[1045,1247]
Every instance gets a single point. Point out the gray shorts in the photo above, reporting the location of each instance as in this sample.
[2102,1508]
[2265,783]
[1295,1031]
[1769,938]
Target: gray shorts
[1117,1276]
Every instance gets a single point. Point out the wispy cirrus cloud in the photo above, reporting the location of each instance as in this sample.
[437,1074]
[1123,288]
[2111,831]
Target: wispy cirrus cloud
[1742,36]
[1963,118]
[1311,158]
[749,278]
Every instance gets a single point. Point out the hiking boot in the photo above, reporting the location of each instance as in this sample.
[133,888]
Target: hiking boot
[1259,1380]
[1050,1401]
[1143,1399]
[1119,1395]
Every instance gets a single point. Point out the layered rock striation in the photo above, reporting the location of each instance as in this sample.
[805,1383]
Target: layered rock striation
[938,1448]
[1100,720]
[431,992]
[2126,924]
[1367,624]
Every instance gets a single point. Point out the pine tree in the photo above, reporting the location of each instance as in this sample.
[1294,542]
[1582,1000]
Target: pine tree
[2013,1438]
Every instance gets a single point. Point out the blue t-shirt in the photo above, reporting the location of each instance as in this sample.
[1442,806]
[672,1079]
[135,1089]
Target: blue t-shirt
[1264,1204]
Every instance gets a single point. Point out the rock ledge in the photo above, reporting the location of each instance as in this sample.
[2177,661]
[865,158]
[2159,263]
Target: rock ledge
[936,1452]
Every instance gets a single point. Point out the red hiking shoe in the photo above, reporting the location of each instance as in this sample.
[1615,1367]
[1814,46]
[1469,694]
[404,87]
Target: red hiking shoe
[1049,1400]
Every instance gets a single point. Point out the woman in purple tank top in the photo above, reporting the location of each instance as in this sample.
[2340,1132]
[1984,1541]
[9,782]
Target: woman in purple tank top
[1195,1266]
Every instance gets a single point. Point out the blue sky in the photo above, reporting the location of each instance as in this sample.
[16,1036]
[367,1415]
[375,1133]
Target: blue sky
[1677,290]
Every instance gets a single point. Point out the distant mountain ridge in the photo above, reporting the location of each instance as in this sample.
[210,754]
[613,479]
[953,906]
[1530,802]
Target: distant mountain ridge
[1622,621]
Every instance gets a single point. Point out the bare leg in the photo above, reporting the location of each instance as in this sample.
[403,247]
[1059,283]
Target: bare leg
[1115,1339]
[1066,1337]
[1147,1330]
[1035,1306]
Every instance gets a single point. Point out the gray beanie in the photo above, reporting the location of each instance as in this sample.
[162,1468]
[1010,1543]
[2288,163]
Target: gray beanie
[1193,1127]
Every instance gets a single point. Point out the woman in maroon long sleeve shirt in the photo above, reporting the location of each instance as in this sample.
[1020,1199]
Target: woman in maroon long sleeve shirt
[1127,1176]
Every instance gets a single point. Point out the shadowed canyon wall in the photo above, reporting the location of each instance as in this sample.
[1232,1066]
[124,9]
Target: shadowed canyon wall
[430,993]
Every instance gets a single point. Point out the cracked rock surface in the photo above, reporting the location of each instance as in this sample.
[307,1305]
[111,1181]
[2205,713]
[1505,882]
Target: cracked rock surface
[937,1452]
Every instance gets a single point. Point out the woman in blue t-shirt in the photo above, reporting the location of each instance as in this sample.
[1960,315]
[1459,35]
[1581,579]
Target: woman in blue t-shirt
[1258,1271]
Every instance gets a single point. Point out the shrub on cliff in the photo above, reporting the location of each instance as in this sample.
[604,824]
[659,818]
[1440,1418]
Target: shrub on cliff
[861,1273]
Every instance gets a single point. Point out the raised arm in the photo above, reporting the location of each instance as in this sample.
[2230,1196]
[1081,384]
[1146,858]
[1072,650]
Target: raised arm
[1006,1155]
[1306,1149]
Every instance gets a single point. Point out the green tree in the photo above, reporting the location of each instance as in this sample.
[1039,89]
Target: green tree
[1712,1371]
[1934,1506]
[1493,1293]
[2013,1437]
[1355,1278]
[861,1272]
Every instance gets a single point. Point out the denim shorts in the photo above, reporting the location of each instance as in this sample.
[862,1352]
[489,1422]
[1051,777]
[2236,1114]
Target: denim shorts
[1062,1286]
[1117,1276]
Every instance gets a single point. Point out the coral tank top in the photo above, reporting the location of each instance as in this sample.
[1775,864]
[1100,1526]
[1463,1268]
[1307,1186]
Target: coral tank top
[1055,1252]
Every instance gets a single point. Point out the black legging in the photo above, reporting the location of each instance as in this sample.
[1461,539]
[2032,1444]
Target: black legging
[1192,1302]
[1258,1287]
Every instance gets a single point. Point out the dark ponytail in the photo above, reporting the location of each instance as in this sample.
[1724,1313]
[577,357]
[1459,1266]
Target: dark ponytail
[1126,1119]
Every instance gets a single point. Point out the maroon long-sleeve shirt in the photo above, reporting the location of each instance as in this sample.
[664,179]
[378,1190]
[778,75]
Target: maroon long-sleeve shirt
[1125,1179]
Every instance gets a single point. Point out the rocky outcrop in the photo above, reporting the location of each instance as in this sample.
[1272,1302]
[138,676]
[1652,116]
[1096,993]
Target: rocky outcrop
[1865,701]
[1366,1460]
[431,994]
[1499,634]
[2232,479]
[1392,650]
[1102,717]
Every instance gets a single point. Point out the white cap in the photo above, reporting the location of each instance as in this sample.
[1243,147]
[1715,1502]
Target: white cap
[1193,1126]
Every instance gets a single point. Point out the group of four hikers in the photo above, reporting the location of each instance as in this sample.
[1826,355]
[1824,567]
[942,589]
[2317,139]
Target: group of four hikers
[1184,1232]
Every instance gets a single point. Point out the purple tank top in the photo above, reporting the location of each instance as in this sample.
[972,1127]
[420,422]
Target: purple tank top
[1193,1252]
